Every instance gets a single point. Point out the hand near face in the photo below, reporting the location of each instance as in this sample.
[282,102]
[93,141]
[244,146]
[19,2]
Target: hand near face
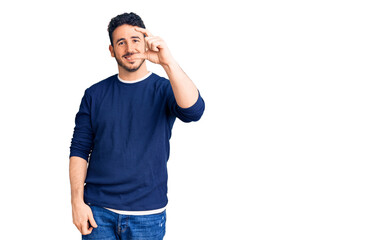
[157,51]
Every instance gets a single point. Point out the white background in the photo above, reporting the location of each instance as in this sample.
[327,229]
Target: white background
[284,150]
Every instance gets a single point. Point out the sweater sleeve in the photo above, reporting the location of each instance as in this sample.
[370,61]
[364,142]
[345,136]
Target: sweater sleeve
[82,139]
[192,113]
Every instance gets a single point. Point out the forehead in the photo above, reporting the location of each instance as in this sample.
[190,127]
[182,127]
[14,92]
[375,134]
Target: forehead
[125,31]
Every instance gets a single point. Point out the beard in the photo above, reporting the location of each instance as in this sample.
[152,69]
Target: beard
[129,69]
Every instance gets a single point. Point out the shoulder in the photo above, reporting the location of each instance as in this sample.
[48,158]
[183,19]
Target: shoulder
[160,83]
[98,87]
[158,78]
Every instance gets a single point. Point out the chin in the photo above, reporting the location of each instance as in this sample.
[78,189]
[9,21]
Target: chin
[132,67]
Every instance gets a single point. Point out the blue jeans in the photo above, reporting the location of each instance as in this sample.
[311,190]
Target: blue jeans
[113,226]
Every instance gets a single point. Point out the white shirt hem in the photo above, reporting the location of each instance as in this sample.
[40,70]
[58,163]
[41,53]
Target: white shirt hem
[138,213]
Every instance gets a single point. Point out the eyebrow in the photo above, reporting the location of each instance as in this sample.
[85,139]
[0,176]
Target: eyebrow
[121,39]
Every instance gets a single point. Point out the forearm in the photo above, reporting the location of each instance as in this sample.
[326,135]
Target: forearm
[77,175]
[186,93]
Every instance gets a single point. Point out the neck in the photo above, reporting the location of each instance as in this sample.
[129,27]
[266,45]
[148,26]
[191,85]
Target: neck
[130,76]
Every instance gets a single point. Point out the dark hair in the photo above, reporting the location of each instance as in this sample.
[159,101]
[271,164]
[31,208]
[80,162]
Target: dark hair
[125,18]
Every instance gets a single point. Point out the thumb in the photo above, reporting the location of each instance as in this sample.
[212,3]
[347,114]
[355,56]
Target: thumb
[92,221]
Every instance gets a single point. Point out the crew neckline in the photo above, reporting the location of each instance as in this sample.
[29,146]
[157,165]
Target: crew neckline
[134,81]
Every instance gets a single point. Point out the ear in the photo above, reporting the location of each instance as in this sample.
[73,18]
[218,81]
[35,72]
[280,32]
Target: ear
[111,48]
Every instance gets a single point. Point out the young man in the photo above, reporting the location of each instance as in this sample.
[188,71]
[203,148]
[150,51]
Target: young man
[120,145]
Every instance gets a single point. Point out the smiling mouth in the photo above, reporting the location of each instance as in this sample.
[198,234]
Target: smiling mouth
[128,57]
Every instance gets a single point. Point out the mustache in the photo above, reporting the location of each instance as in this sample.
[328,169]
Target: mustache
[128,54]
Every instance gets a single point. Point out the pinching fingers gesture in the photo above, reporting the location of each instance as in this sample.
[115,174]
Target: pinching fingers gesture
[156,49]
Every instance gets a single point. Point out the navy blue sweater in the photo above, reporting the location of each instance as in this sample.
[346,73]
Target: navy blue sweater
[123,131]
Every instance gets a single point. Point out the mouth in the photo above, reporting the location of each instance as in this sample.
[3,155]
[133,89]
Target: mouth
[129,58]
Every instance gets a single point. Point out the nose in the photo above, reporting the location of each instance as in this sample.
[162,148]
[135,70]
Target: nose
[130,48]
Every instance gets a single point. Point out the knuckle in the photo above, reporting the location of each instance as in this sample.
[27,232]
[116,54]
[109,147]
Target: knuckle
[86,232]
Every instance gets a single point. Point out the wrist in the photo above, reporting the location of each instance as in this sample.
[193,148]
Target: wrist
[170,66]
[76,200]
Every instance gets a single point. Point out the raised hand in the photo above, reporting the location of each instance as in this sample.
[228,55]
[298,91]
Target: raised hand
[156,51]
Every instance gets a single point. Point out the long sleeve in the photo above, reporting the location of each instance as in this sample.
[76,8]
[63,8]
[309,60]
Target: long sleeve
[192,113]
[82,139]
[123,130]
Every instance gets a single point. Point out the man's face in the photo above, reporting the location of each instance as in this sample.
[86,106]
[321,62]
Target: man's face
[126,42]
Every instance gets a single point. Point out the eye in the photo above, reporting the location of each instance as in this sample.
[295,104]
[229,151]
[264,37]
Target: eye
[136,40]
[121,43]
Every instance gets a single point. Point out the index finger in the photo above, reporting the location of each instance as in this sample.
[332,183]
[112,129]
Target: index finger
[144,31]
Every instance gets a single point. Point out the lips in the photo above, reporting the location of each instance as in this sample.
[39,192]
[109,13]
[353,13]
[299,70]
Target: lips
[129,57]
